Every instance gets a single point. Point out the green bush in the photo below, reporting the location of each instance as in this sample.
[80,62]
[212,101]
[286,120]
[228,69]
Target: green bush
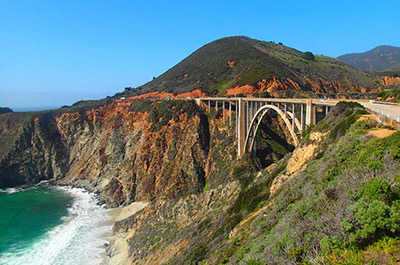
[377,189]
[198,254]
[254,262]
[373,221]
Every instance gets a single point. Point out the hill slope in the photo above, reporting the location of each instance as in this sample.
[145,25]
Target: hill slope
[394,68]
[238,61]
[381,58]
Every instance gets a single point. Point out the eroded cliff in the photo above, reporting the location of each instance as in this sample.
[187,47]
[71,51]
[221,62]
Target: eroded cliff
[122,154]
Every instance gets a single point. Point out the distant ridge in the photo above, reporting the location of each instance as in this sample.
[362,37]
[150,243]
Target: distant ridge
[239,61]
[5,110]
[380,59]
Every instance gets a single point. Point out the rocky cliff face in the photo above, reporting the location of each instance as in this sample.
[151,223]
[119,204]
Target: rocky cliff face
[110,150]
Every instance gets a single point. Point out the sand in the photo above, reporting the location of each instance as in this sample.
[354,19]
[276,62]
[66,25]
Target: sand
[382,133]
[119,250]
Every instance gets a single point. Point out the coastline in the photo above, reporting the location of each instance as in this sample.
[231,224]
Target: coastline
[117,252]
[115,249]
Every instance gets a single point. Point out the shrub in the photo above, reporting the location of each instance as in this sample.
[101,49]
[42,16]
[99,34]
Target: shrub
[377,189]
[309,56]
[373,221]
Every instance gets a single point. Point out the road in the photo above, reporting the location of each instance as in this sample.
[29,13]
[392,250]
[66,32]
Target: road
[390,111]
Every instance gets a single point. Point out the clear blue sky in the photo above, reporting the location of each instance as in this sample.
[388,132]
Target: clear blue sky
[58,52]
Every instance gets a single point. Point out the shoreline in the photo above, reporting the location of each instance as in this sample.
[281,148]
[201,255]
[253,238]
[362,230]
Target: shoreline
[117,251]
[115,248]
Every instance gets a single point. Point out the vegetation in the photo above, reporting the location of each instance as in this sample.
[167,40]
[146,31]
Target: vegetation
[342,209]
[392,95]
[234,61]
[162,112]
[84,105]
[309,56]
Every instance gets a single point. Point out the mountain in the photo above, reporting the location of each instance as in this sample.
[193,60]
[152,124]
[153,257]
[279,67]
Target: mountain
[239,61]
[380,59]
[5,110]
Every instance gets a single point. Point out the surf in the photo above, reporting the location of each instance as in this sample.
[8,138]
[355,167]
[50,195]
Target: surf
[79,238]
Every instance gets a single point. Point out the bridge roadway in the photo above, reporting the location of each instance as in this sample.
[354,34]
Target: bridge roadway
[296,113]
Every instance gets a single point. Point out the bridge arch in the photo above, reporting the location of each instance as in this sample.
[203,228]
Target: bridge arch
[256,121]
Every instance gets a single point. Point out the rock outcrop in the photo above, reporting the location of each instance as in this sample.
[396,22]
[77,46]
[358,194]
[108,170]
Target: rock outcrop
[110,150]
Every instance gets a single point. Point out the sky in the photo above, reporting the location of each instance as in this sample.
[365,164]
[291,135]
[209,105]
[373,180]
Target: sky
[54,53]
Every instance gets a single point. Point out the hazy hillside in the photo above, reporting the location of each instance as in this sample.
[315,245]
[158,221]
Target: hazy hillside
[394,68]
[235,61]
[5,110]
[381,58]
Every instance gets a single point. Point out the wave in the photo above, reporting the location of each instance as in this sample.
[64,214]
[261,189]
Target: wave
[23,187]
[80,239]
[11,190]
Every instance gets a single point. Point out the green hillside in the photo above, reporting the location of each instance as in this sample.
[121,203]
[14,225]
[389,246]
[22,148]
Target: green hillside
[233,61]
[379,59]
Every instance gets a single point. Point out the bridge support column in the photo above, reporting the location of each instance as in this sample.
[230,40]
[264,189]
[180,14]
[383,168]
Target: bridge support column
[209,106]
[285,105]
[293,118]
[240,109]
[302,117]
[230,113]
[216,105]
[223,111]
[314,112]
[247,116]
[310,113]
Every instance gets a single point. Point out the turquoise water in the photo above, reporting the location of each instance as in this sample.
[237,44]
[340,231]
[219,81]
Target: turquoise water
[57,226]
[27,215]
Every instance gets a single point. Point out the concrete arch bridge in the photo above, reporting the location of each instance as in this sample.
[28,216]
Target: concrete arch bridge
[249,112]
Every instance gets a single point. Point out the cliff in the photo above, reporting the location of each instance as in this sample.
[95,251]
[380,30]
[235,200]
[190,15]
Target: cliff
[123,155]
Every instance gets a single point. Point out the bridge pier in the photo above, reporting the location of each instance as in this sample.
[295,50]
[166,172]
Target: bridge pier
[230,113]
[285,108]
[311,114]
[293,118]
[223,111]
[241,127]
[302,117]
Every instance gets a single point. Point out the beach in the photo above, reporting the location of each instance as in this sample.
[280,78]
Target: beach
[118,250]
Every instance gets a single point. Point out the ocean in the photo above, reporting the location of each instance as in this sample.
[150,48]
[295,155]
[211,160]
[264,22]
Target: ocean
[52,225]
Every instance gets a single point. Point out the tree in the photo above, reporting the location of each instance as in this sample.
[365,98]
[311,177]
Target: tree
[309,56]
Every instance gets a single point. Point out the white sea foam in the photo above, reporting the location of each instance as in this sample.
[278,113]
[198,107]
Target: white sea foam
[79,240]
[11,190]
